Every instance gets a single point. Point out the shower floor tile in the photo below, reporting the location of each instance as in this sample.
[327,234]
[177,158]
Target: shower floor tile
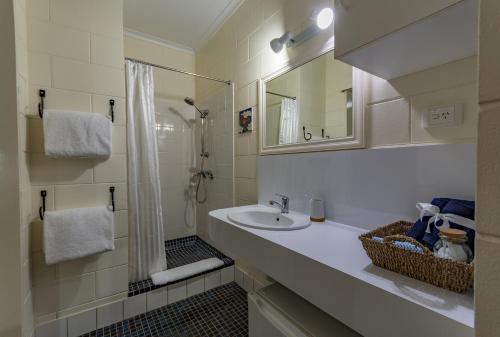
[220,312]
[180,252]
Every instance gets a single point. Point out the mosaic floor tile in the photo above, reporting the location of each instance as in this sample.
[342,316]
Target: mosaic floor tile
[220,312]
[180,252]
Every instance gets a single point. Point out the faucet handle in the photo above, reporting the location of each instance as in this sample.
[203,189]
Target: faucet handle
[282,196]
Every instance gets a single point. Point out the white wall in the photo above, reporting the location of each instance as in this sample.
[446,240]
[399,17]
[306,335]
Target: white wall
[373,187]
[175,133]
[75,53]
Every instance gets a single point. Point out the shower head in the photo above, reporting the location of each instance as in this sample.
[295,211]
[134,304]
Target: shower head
[190,101]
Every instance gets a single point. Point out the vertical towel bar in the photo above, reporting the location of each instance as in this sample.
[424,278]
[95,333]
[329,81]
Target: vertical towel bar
[112,191]
[41,210]
[112,109]
[41,93]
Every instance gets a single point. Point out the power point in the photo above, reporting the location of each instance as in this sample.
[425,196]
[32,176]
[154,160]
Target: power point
[439,116]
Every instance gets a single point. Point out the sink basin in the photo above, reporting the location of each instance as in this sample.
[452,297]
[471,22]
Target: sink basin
[270,219]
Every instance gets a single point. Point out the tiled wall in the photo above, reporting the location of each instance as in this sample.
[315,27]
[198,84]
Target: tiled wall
[20,17]
[487,276]
[75,53]
[218,99]
[175,130]
[240,51]
[16,318]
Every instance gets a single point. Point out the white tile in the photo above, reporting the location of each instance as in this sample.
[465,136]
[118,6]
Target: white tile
[57,328]
[57,40]
[102,17]
[111,170]
[75,196]
[50,171]
[106,51]
[247,282]
[177,292]
[121,224]
[238,276]
[38,9]
[39,68]
[212,280]
[63,294]
[195,286]
[393,116]
[82,323]
[227,275]
[111,281]
[75,75]
[133,306]
[119,144]
[157,298]
[116,257]
[109,314]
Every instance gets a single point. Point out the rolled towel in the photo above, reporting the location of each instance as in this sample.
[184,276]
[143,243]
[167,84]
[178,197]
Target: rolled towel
[417,231]
[75,233]
[76,134]
[188,270]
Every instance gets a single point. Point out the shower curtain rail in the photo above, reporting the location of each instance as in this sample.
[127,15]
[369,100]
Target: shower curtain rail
[280,95]
[178,71]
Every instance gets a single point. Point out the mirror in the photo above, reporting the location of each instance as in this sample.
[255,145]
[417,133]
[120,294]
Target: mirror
[312,107]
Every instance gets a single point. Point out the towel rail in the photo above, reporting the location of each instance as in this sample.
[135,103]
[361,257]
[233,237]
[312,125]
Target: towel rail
[41,210]
[43,194]
[41,105]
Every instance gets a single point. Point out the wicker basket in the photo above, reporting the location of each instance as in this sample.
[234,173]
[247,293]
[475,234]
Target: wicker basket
[448,274]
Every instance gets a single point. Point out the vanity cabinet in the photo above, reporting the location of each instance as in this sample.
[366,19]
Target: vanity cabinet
[392,38]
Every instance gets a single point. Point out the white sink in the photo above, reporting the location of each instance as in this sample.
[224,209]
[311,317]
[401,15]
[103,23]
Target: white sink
[270,219]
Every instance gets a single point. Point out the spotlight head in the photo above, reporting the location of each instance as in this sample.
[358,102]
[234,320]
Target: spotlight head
[324,18]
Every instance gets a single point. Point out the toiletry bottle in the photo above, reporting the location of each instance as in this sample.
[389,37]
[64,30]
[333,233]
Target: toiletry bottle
[317,210]
[453,245]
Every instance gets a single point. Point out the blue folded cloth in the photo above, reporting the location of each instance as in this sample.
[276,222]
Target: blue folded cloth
[417,231]
[463,208]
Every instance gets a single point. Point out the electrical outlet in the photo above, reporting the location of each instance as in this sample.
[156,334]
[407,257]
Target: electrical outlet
[438,116]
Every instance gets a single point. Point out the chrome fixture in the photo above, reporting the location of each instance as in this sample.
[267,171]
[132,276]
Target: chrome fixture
[278,43]
[322,20]
[284,206]
[201,174]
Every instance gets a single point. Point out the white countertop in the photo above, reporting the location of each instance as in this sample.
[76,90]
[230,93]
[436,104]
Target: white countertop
[337,246]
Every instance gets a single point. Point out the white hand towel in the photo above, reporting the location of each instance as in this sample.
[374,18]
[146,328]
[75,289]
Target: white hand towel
[76,134]
[188,270]
[74,233]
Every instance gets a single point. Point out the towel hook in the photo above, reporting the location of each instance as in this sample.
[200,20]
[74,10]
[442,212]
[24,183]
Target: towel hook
[41,210]
[41,93]
[112,110]
[112,191]
[309,135]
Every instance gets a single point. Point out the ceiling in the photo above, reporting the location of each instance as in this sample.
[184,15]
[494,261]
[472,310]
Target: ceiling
[187,24]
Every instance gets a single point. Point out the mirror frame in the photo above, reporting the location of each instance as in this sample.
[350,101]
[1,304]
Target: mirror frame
[355,141]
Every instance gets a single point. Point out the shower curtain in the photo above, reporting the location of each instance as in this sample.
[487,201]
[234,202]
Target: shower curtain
[289,122]
[146,245]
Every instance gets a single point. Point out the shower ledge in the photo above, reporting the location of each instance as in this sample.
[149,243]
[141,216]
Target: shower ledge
[326,264]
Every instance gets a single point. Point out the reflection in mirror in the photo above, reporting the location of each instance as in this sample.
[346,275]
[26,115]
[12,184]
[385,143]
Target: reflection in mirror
[311,103]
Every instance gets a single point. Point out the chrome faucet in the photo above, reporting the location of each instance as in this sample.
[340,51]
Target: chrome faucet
[284,203]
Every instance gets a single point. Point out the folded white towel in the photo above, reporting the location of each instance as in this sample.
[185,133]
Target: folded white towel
[188,270]
[75,233]
[76,134]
